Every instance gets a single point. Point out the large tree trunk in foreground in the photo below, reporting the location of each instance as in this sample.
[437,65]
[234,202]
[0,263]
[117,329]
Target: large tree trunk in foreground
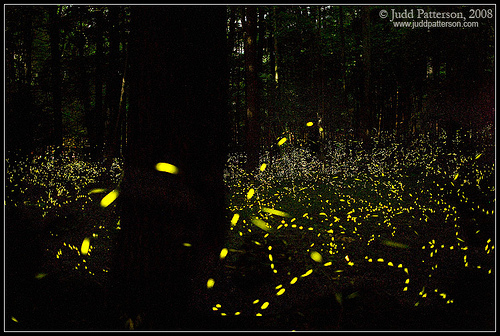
[173,224]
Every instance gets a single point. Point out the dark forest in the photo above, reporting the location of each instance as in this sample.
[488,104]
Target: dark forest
[249,168]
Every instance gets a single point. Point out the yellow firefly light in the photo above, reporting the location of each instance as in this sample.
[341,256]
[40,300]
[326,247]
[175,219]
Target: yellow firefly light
[281,142]
[275,212]
[97,191]
[316,256]
[250,193]
[109,198]
[223,253]
[167,168]
[261,224]
[235,218]
[85,246]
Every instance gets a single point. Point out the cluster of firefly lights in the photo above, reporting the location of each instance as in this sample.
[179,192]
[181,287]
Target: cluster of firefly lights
[316,256]
[396,189]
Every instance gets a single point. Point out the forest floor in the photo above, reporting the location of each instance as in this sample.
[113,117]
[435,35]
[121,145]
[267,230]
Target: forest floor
[399,247]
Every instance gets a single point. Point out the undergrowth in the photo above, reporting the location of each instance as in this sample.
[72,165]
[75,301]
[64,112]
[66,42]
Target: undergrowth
[403,222]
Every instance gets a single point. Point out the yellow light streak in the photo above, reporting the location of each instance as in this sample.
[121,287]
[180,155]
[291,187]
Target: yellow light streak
[167,168]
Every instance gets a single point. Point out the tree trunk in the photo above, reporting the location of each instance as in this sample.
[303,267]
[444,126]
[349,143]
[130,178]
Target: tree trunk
[275,49]
[274,105]
[320,87]
[113,88]
[234,75]
[366,108]
[343,67]
[96,133]
[57,139]
[173,224]
[28,44]
[10,61]
[84,80]
[260,40]
[252,90]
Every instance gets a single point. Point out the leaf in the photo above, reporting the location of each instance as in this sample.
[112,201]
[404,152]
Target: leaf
[129,324]
[353,295]
[309,124]
[338,297]
[210,283]
[281,142]
[394,244]
[40,276]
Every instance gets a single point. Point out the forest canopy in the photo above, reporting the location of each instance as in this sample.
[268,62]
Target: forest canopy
[345,69]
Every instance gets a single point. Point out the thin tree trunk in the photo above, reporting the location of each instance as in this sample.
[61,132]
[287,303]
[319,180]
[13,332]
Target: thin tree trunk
[366,108]
[320,87]
[114,85]
[252,90]
[28,45]
[276,76]
[234,76]
[84,80]
[57,139]
[343,68]
[97,117]
[115,123]
[10,61]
